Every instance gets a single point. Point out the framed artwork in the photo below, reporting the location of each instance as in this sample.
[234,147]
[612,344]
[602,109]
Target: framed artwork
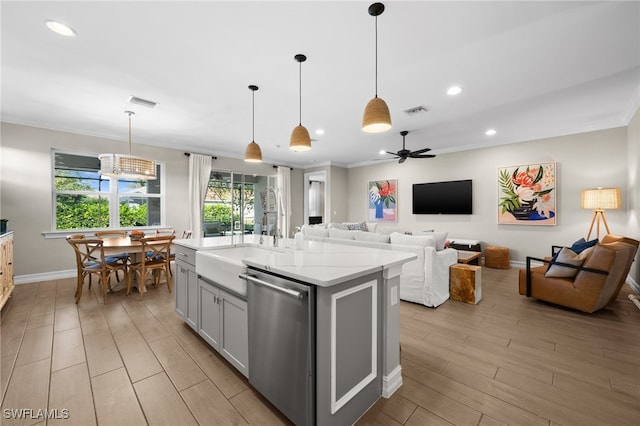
[383,201]
[527,194]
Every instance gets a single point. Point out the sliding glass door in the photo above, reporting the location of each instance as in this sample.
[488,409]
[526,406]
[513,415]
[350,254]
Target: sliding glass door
[232,204]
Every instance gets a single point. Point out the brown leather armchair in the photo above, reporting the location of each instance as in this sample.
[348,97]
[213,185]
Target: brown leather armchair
[597,282]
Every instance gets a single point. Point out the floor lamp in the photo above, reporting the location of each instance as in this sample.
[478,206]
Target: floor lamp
[599,199]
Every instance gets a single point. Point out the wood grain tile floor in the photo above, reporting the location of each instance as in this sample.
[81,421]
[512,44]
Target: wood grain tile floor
[507,360]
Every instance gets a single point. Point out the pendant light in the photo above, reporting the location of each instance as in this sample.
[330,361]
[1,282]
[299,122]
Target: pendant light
[300,139]
[376,117]
[127,166]
[253,154]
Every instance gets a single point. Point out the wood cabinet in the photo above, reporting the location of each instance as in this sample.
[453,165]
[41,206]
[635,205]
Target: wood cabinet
[6,267]
[223,323]
[186,286]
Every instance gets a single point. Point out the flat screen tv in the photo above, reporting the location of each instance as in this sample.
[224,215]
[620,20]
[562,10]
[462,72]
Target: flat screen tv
[453,197]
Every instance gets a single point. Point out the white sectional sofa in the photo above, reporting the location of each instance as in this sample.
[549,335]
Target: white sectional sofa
[424,280]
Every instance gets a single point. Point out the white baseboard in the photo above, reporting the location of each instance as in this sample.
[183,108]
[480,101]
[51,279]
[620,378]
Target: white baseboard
[392,382]
[44,276]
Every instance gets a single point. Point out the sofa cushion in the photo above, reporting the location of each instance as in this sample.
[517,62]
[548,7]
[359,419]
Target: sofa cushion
[413,240]
[316,232]
[372,236]
[342,234]
[566,255]
[372,226]
[440,237]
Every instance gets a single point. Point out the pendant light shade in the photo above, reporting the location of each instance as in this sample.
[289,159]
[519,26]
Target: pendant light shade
[253,153]
[300,139]
[376,117]
[127,166]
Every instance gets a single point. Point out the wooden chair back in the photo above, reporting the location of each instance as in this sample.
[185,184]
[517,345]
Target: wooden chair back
[112,233]
[165,231]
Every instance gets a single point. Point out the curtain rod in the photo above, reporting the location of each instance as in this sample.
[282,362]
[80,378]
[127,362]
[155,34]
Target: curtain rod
[275,167]
[188,154]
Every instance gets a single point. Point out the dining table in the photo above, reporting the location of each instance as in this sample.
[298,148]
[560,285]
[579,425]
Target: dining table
[133,247]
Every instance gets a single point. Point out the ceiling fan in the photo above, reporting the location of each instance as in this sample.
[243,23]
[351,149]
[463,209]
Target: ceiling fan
[404,153]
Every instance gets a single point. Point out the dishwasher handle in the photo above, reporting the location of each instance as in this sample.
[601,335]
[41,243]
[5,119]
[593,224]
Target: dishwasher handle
[289,292]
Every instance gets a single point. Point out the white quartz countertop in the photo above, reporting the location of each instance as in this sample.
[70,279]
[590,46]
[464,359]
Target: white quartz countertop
[319,263]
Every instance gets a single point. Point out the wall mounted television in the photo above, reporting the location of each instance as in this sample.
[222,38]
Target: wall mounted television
[453,197]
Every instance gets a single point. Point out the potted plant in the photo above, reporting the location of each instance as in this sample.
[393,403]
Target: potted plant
[3,225]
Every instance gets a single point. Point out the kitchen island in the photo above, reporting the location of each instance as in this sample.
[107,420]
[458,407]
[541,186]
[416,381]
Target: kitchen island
[324,349]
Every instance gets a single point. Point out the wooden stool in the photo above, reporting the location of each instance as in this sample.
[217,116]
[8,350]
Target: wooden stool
[496,257]
[465,283]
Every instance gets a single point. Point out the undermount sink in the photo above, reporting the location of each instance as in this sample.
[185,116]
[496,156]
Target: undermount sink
[223,265]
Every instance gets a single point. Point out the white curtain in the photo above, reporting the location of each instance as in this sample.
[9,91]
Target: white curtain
[199,172]
[283,183]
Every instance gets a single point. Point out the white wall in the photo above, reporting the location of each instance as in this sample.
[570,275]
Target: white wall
[26,197]
[584,160]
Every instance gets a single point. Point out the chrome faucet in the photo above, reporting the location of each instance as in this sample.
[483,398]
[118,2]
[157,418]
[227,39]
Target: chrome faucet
[267,209]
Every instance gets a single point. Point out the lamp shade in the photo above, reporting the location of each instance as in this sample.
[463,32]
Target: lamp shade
[600,198]
[376,117]
[300,139]
[253,153]
[127,166]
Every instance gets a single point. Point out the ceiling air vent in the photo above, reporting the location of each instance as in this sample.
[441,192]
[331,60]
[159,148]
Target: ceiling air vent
[140,101]
[416,110]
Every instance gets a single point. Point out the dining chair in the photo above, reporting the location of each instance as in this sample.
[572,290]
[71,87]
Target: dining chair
[172,257]
[90,260]
[156,258]
[165,231]
[118,257]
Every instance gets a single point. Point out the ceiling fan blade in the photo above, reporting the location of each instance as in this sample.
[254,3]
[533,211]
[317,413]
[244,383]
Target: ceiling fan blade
[402,160]
[422,156]
[392,153]
[421,151]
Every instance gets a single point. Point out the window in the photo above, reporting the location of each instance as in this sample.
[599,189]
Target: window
[86,200]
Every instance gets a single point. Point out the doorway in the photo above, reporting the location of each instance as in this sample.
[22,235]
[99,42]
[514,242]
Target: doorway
[316,199]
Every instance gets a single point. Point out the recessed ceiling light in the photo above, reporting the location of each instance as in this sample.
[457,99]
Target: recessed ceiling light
[454,90]
[490,132]
[382,152]
[319,132]
[60,28]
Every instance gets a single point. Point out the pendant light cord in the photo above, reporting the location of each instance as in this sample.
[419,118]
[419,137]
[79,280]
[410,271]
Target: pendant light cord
[300,91]
[130,114]
[376,56]
[253,116]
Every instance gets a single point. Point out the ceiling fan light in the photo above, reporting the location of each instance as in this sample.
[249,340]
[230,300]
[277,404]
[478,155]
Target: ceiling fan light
[253,153]
[300,139]
[376,117]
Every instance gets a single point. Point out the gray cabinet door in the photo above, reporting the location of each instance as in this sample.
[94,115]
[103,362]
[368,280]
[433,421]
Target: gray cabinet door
[192,298]
[181,278]
[209,318]
[234,335]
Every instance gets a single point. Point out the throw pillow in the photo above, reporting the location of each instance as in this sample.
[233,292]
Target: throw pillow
[566,255]
[372,226]
[338,225]
[372,236]
[359,226]
[412,240]
[581,245]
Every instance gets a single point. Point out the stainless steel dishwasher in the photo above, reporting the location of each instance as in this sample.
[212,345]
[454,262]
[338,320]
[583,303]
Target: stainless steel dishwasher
[282,343]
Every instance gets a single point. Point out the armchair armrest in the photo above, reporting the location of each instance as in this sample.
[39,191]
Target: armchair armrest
[545,261]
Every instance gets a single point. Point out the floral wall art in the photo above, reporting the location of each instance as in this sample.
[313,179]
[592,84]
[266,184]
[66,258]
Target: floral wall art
[527,194]
[383,201]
